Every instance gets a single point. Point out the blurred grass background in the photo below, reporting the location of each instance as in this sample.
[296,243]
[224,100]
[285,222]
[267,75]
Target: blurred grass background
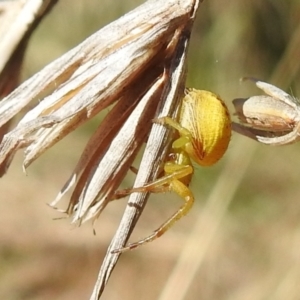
[242,239]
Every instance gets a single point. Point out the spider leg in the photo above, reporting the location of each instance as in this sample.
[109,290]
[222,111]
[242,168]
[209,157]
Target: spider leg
[159,185]
[173,183]
[178,174]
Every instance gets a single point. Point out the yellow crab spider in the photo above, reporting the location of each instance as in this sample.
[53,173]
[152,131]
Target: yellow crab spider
[204,131]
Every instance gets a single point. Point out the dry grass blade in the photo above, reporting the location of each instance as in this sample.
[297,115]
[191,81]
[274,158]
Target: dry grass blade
[94,74]
[108,171]
[110,125]
[18,20]
[153,156]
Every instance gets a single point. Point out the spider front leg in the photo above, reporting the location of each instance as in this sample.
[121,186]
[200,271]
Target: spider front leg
[178,173]
[170,182]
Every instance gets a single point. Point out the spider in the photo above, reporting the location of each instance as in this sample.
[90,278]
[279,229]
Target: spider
[204,131]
